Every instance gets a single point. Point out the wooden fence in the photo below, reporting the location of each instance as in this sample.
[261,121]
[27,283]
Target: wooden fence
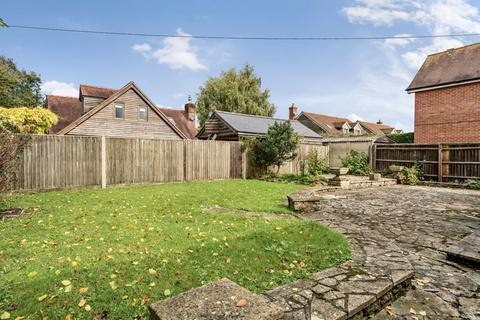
[441,162]
[62,162]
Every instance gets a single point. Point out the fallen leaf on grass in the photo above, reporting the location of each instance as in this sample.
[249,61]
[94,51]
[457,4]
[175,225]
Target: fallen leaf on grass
[41,298]
[88,307]
[68,288]
[82,303]
[83,290]
[167,292]
[152,271]
[144,300]
[5,315]
[32,274]
[66,282]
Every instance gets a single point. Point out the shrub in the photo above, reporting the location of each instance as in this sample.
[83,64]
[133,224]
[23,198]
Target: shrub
[277,147]
[473,184]
[10,147]
[357,163]
[316,164]
[27,120]
[402,137]
[408,176]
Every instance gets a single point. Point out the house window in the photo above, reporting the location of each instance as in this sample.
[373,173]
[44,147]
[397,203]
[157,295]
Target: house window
[119,111]
[142,113]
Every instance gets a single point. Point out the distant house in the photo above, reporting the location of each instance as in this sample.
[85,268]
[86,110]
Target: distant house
[231,126]
[126,112]
[447,95]
[336,126]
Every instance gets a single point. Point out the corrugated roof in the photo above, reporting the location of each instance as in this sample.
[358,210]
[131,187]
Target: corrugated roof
[244,123]
[67,109]
[448,67]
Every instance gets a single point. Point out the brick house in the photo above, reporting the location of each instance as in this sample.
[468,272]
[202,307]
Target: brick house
[126,112]
[447,97]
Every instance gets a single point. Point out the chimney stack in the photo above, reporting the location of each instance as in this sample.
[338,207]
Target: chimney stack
[190,109]
[292,112]
[379,122]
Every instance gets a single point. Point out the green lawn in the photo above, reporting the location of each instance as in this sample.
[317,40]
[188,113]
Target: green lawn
[129,245]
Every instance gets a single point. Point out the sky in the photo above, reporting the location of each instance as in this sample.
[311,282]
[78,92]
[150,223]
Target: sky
[360,80]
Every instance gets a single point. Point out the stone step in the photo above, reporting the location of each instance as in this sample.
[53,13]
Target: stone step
[339,294]
[466,251]
[222,299]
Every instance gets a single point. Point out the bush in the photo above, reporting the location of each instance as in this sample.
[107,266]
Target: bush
[316,165]
[408,176]
[357,163]
[11,146]
[293,178]
[402,137]
[473,184]
[27,120]
[276,148]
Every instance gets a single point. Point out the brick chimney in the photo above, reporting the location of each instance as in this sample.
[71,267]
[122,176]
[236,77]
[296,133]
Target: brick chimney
[292,112]
[190,109]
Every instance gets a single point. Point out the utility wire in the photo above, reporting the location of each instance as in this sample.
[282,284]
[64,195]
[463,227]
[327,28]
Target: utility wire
[276,38]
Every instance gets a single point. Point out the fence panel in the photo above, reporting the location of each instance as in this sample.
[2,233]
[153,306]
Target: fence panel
[57,162]
[441,162]
[304,150]
[207,160]
[131,161]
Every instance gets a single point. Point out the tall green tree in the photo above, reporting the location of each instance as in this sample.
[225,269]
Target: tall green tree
[278,146]
[18,88]
[235,92]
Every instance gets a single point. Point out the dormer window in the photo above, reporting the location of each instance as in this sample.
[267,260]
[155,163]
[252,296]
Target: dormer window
[142,113]
[119,111]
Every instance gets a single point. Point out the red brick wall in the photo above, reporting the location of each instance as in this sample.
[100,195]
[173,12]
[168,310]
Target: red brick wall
[448,115]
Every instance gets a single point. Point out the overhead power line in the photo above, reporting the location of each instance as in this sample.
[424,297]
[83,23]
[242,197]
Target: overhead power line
[267,38]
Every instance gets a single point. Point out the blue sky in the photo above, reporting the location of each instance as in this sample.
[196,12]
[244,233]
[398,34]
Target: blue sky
[355,79]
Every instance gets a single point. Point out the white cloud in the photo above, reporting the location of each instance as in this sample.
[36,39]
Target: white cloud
[58,88]
[354,117]
[399,41]
[176,53]
[438,17]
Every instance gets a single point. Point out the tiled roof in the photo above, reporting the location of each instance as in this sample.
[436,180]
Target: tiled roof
[180,119]
[68,109]
[99,92]
[327,123]
[251,124]
[376,128]
[448,67]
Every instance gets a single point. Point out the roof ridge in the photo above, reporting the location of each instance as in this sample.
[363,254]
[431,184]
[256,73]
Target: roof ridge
[92,86]
[251,115]
[454,49]
[327,115]
[56,95]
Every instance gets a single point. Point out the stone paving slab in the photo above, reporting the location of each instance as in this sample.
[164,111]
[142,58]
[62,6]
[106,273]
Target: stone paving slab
[466,250]
[222,299]
[417,224]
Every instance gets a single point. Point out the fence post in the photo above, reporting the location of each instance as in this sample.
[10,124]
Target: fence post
[440,165]
[244,163]
[104,162]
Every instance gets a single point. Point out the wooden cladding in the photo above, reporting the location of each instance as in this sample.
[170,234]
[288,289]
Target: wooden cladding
[62,162]
[442,162]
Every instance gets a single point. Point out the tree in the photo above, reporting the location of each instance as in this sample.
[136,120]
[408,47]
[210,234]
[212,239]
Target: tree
[236,92]
[27,120]
[3,24]
[18,88]
[277,147]
[406,137]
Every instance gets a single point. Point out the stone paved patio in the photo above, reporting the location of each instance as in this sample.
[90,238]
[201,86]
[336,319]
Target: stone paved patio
[418,223]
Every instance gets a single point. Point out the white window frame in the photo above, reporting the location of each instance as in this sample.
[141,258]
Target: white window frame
[146,113]
[117,106]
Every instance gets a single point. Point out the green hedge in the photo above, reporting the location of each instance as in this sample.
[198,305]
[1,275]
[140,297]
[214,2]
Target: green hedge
[401,137]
